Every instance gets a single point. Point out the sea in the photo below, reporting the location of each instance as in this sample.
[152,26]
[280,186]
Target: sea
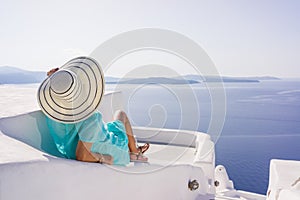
[259,121]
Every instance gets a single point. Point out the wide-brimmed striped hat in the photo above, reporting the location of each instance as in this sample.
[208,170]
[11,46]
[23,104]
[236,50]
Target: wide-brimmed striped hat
[74,92]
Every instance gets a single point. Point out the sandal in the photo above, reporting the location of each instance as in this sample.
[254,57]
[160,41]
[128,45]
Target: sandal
[138,157]
[144,148]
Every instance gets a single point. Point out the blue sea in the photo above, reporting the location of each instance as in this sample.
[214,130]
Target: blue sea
[262,122]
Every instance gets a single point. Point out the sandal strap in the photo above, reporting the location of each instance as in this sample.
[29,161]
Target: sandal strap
[144,148]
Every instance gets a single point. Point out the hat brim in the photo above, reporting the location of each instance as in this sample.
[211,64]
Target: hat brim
[86,100]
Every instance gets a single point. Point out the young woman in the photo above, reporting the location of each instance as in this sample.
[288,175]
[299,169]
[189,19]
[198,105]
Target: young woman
[92,140]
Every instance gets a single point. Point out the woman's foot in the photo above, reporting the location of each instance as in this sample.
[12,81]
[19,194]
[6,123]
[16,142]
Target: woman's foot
[138,157]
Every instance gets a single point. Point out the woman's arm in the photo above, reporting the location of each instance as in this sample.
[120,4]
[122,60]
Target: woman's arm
[83,153]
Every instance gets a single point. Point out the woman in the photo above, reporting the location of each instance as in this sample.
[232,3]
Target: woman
[92,140]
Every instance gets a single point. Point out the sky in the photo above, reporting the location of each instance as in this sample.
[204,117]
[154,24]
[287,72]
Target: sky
[242,37]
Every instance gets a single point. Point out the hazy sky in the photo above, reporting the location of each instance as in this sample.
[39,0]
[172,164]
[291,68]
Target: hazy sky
[242,37]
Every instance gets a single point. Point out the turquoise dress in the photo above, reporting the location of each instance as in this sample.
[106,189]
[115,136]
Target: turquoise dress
[107,138]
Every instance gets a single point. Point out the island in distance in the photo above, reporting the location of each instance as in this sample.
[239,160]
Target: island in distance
[150,80]
[188,79]
[14,75]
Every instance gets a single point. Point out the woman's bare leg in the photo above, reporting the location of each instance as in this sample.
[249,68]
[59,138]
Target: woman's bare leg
[121,115]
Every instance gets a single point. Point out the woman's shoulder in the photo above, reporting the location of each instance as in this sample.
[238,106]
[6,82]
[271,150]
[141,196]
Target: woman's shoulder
[95,116]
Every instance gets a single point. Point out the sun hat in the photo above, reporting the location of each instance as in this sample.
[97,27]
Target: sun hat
[74,92]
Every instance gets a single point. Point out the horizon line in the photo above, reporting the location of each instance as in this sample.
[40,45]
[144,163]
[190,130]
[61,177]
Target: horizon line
[221,75]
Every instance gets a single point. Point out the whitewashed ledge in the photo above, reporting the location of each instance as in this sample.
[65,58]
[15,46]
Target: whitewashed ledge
[284,181]
[27,173]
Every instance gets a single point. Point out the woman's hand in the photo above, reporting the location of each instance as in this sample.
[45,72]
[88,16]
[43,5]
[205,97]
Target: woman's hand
[52,71]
